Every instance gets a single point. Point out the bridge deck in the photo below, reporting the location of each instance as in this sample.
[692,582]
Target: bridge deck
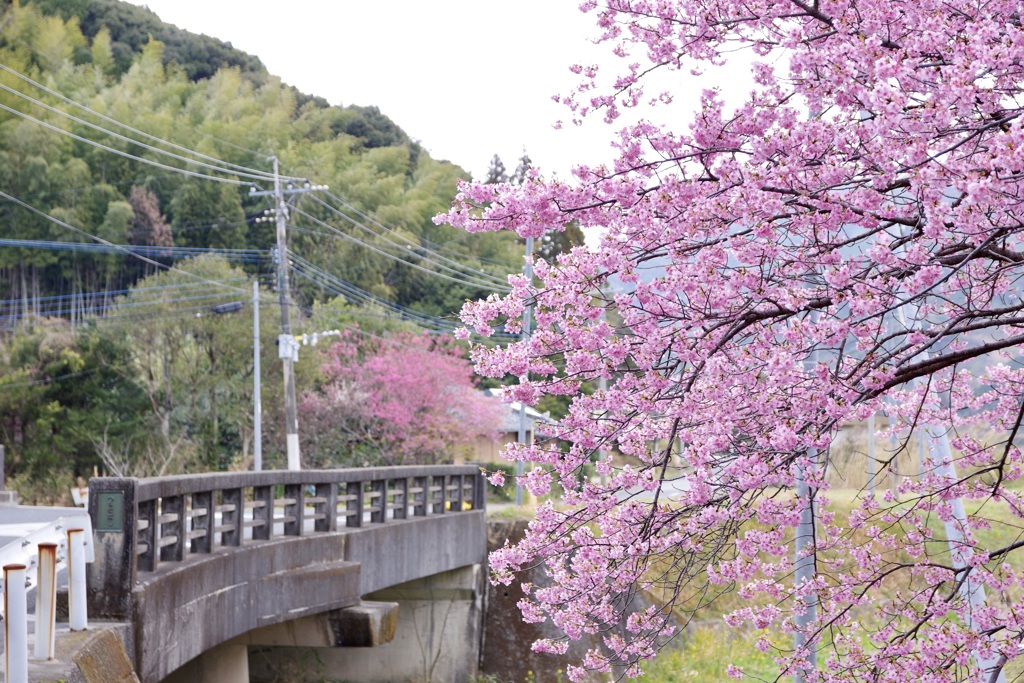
[195,560]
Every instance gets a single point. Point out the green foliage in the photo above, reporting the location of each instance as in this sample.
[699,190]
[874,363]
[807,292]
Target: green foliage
[178,388]
[703,655]
[131,27]
[196,367]
[63,8]
[208,215]
[60,390]
[371,126]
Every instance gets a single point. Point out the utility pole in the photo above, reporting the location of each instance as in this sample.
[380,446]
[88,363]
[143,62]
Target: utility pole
[602,388]
[290,415]
[257,408]
[288,349]
[960,553]
[871,455]
[803,559]
[525,335]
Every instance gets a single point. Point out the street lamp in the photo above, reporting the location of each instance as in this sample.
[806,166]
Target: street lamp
[257,408]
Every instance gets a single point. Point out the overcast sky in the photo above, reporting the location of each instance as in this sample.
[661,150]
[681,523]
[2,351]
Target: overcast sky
[467,78]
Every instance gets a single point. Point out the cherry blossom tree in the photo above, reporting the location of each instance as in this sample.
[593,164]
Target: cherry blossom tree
[843,242]
[407,399]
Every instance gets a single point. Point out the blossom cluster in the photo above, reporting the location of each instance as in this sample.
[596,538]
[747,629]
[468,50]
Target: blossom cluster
[845,242]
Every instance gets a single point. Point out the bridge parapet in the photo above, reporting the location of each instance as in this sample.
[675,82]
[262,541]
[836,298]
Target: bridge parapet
[140,524]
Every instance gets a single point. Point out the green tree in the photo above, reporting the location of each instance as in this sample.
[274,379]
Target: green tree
[61,392]
[103,51]
[522,171]
[206,214]
[496,172]
[194,365]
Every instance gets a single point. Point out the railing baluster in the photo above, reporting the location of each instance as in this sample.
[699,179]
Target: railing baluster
[262,511]
[421,496]
[327,510]
[293,509]
[379,510]
[459,491]
[232,512]
[400,509]
[147,536]
[440,486]
[354,490]
[202,522]
[172,529]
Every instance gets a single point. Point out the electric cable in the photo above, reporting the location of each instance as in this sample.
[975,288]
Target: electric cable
[480,284]
[299,263]
[58,129]
[259,175]
[412,243]
[429,245]
[96,238]
[154,251]
[67,100]
[356,295]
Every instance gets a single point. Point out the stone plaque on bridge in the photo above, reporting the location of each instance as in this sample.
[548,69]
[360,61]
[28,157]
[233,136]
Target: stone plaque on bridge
[110,511]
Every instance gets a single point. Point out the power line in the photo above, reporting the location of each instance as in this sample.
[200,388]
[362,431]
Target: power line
[430,245]
[348,295]
[490,286]
[259,155]
[266,174]
[334,234]
[96,238]
[310,271]
[251,173]
[153,251]
[48,380]
[339,287]
[78,190]
[122,305]
[119,292]
[58,129]
[420,249]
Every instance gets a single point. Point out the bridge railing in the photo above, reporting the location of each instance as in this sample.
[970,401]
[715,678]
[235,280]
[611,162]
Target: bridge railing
[140,523]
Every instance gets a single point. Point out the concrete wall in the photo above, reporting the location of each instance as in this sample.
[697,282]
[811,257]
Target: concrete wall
[401,551]
[185,609]
[437,639]
[227,663]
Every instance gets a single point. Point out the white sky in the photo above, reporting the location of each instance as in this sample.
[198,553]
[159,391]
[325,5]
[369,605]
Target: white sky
[467,78]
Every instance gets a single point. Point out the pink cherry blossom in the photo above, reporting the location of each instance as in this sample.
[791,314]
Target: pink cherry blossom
[407,399]
[844,242]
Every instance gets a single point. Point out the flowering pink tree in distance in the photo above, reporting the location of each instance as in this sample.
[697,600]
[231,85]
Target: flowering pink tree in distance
[845,241]
[406,399]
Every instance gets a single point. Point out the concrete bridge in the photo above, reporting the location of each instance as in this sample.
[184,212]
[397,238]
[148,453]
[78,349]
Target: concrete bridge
[213,572]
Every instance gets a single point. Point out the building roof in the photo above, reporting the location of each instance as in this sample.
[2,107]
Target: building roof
[510,420]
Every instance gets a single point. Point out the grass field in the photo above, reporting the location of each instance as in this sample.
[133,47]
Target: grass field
[705,648]
[702,652]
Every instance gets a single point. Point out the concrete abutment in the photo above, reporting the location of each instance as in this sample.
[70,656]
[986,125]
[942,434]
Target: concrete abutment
[437,637]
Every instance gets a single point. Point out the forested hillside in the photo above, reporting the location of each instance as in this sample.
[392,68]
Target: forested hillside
[128,146]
